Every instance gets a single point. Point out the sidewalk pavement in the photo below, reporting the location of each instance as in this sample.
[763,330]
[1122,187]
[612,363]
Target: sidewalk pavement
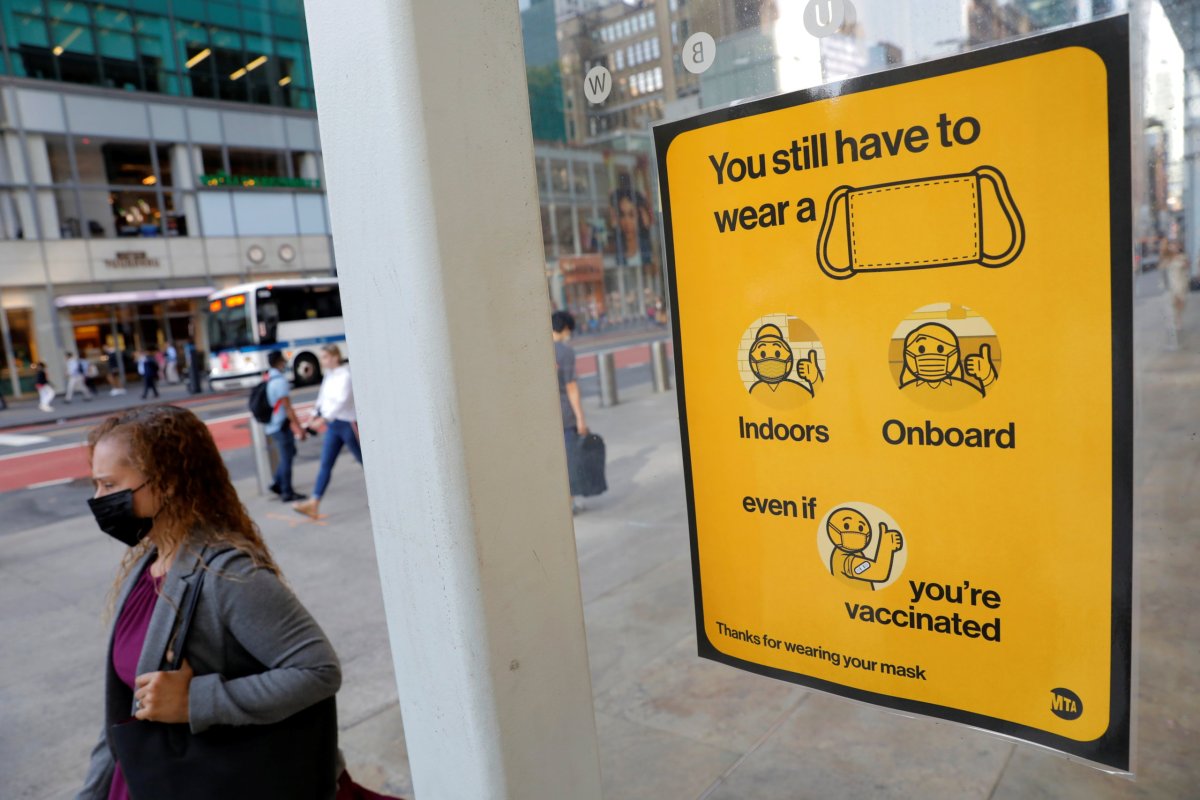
[670,724]
[25,412]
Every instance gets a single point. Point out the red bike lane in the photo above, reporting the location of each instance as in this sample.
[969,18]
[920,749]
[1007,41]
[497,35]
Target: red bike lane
[67,462]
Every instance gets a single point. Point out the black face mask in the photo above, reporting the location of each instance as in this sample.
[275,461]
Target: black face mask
[114,514]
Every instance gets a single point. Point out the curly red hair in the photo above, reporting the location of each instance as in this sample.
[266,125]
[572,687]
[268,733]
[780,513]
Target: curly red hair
[176,453]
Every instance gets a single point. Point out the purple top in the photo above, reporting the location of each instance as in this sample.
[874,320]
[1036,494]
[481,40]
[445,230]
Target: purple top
[128,637]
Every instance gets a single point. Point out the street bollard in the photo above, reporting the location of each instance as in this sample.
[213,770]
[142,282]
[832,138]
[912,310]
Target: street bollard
[606,367]
[659,370]
[262,457]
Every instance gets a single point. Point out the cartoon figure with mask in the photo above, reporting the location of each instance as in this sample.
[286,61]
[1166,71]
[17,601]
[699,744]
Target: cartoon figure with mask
[932,363]
[850,532]
[771,362]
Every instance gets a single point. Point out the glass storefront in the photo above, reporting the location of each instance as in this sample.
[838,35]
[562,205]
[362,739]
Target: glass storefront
[24,351]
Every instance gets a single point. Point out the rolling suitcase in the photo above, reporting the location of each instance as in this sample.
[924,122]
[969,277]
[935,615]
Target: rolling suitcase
[587,467]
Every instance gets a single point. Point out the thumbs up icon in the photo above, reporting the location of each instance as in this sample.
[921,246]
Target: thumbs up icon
[980,367]
[809,370]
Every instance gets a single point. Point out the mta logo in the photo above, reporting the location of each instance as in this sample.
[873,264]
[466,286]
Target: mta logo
[1065,704]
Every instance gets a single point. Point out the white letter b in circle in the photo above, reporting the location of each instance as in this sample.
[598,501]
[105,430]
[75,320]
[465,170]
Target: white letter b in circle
[699,52]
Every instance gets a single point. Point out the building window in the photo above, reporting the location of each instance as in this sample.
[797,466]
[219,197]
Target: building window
[199,52]
[267,163]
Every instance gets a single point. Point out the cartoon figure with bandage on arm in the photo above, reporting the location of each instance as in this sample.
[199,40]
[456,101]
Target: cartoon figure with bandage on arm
[933,362]
[850,531]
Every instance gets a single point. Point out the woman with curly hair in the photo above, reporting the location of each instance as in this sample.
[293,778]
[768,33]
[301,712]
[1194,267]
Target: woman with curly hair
[253,655]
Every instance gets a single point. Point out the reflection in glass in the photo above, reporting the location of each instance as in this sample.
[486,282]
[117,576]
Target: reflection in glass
[24,350]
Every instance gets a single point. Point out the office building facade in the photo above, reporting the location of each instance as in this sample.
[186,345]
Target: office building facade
[151,153]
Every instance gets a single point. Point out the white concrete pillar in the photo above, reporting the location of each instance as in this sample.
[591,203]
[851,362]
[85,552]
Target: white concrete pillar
[447,322]
[23,203]
[187,162]
[39,171]
[310,168]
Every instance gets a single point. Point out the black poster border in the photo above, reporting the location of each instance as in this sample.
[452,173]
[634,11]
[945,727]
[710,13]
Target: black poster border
[1109,39]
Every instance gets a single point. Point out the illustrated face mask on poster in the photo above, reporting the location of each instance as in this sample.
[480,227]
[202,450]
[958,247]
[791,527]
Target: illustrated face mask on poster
[902,320]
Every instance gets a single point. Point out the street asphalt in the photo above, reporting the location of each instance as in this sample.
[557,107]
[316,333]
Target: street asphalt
[670,724]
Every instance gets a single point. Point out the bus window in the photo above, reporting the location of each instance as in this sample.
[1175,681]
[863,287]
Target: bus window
[228,328]
[268,321]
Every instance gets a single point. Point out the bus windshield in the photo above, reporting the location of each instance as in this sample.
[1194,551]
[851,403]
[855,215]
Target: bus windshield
[229,327]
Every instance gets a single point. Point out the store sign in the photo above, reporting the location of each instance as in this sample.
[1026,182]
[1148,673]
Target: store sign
[582,269]
[259,181]
[903,329]
[131,259]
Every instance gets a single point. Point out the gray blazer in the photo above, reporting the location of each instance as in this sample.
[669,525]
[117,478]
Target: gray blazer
[257,654]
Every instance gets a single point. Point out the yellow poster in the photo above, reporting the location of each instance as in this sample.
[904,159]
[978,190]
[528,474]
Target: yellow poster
[902,323]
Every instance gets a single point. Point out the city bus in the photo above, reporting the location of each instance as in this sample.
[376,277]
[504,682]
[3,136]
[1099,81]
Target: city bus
[248,321]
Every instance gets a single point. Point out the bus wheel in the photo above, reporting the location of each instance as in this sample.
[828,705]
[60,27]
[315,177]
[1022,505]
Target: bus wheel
[306,369]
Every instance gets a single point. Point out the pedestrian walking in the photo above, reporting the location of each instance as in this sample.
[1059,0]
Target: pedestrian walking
[148,369]
[114,371]
[1176,273]
[562,323]
[335,410]
[199,577]
[172,363]
[284,427]
[77,378]
[44,389]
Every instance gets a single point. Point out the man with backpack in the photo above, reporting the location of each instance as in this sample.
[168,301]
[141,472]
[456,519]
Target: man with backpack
[282,423]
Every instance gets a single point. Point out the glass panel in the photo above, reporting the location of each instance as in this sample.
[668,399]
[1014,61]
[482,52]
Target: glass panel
[189,10]
[213,162]
[291,69]
[97,219]
[266,163]
[118,61]
[580,180]
[69,224]
[229,61]
[262,70]
[136,214]
[60,161]
[564,229]
[127,163]
[560,176]
[67,11]
[73,49]
[197,56]
[225,14]
[25,351]
[28,38]
[177,206]
[591,229]
[14,211]
[257,17]
[154,40]
[108,18]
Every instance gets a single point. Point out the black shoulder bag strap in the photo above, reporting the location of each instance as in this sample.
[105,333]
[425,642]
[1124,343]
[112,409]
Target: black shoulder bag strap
[189,611]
